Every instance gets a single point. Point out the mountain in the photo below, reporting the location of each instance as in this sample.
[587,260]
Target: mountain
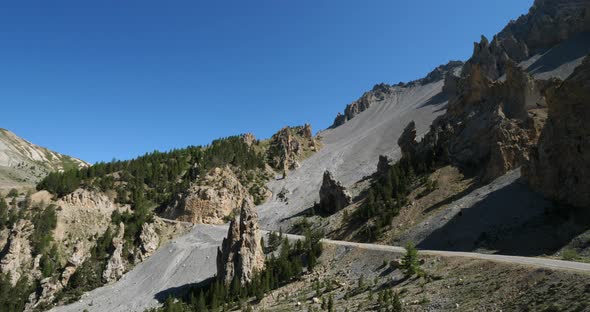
[435,162]
[23,164]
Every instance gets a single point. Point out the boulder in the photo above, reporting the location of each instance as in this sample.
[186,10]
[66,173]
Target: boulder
[241,254]
[333,195]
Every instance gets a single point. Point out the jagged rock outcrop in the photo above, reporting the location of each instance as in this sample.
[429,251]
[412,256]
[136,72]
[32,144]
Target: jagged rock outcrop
[249,139]
[210,199]
[149,241]
[83,214]
[488,124]
[17,256]
[407,141]
[116,264]
[288,146]
[378,93]
[241,254]
[51,286]
[560,165]
[333,195]
[547,23]
[381,91]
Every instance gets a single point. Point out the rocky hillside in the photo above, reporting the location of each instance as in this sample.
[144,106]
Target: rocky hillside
[560,164]
[381,91]
[23,163]
[435,161]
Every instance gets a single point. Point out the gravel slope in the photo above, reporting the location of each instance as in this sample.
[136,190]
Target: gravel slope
[352,150]
[181,262]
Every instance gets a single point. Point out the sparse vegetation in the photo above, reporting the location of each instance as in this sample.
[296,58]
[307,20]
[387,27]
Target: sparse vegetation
[289,265]
[388,194]
[410,263]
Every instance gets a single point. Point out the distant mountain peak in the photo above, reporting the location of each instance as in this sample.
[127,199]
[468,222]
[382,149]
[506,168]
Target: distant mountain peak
[23,163]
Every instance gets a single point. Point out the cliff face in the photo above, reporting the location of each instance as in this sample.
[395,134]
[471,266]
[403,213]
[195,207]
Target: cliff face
[560,165]
[333,195]
[289,145]
[116,264]
[210,199]
[241,254]
[17,259]
[488,124]
[547,23]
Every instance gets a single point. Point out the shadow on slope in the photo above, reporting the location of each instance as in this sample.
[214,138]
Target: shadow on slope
[438,99]
[567,51]
[511,220]
[180,291]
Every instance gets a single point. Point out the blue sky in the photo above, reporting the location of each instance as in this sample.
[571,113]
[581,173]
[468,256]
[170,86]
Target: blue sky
[115,79]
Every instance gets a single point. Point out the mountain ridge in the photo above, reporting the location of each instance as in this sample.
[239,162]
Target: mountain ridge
[23,163]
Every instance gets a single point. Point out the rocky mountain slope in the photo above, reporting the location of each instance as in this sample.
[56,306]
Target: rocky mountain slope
[472,126]
[23,163]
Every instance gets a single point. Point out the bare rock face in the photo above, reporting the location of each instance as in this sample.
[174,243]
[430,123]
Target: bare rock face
[378,93]
[116,264]
[16,256]
[83,214]
[488,124]
[288,145]
[149,241]
[333,195]
[547,23]
[51,286]
[241,254]
[560,165]
[249,139]
[407,141]
[210,199]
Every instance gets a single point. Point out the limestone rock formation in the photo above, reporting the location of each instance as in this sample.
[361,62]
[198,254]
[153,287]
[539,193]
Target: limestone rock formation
[333,195]
[249,138]
[289,145]
[16,256]
[210,199]
[407,141]
[241,254]
[51,286]
[547,23]
[116,264]
[488,124]
[83,214]
[560,165]
[149,241]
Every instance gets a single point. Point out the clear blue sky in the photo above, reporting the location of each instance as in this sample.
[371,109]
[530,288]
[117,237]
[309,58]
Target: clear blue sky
[115,79]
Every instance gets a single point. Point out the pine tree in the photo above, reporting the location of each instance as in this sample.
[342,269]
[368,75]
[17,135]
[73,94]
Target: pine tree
[410,264]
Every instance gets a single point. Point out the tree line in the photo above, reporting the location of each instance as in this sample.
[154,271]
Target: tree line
[157,175]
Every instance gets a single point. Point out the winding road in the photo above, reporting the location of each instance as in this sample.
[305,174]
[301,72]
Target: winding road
[191,258]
